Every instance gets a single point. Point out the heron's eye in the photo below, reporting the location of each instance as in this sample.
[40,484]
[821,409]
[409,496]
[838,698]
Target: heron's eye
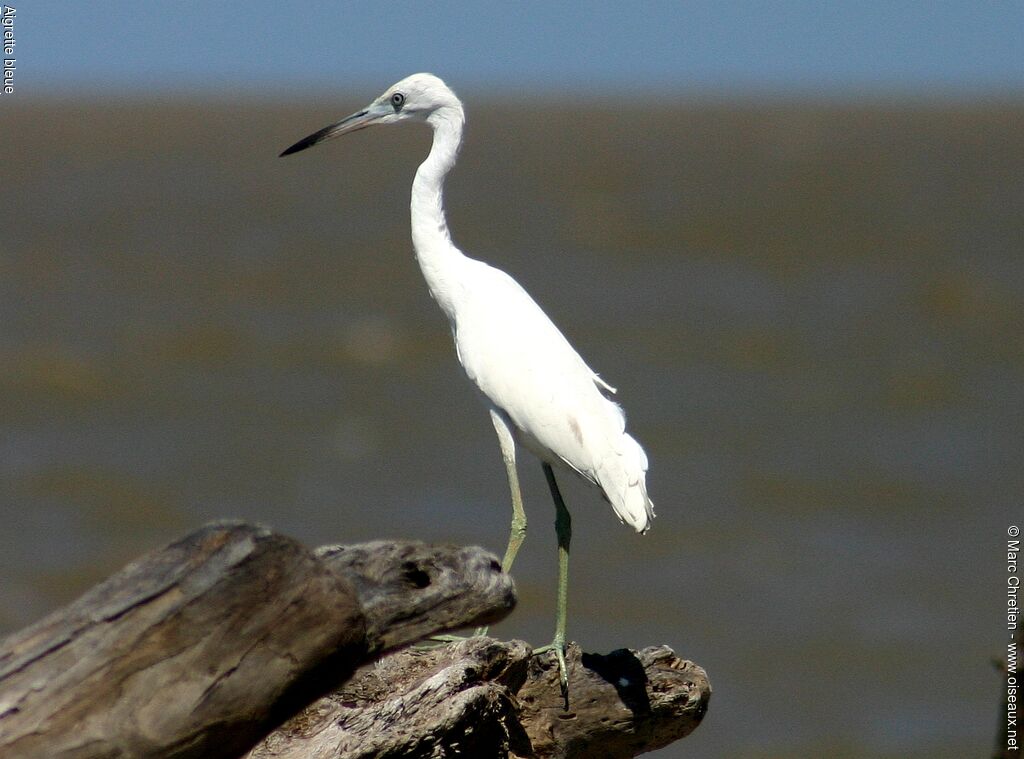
[398,100]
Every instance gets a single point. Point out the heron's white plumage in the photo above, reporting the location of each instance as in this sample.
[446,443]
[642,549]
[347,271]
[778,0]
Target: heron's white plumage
[527,369]
[518,358]
[514,353]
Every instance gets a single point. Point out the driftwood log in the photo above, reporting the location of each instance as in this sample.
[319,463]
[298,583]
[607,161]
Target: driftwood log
[205,647]
[486,698]
[201,648]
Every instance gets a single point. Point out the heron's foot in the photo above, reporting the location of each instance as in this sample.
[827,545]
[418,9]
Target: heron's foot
[436,641]
[558,646]
[443,639]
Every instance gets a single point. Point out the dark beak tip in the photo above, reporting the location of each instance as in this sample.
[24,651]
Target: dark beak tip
[300,145]
[327,133]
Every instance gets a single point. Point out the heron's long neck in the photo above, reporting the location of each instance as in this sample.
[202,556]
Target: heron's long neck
[438,257]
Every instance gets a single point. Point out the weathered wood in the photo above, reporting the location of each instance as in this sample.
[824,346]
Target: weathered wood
[202,647]
[486,698]
[409,590]
[621,704]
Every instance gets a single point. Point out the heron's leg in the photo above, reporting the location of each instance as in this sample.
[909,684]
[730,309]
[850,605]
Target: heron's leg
[563,529]
[508,454]
[517,533]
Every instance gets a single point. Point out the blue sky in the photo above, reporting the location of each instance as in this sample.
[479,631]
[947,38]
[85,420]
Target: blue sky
[263,47]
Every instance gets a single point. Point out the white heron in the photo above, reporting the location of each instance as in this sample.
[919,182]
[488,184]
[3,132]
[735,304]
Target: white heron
[539,390]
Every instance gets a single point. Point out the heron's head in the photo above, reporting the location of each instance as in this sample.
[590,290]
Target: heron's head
[420,97]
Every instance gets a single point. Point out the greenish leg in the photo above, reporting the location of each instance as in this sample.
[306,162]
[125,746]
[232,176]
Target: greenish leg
[563,530]
[508,454]
[518,531]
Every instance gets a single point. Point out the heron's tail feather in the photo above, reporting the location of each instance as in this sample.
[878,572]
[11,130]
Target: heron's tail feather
[623,477]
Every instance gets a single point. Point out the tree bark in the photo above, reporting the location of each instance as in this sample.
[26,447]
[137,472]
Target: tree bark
[485,698]
[202,647]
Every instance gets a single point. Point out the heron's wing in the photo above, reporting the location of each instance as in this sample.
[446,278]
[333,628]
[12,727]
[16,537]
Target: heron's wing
[558,405]
[525,366]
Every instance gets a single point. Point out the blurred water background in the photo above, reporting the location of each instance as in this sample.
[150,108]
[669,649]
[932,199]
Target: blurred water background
[790,234]
[811,311]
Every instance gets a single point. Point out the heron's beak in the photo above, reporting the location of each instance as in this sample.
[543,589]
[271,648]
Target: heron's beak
[359,120]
